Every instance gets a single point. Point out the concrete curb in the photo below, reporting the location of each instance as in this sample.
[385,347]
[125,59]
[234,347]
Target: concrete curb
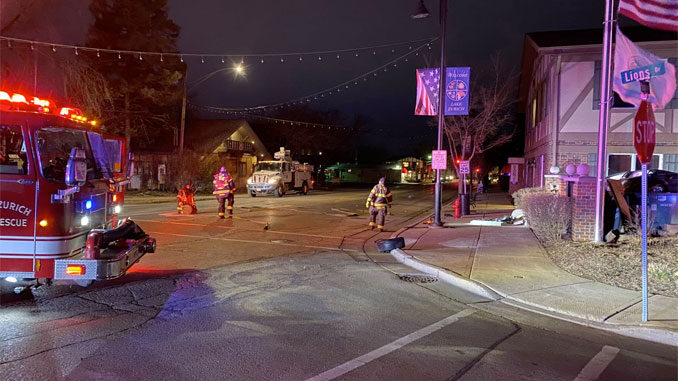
[445,276]
[653,334]
[657,335]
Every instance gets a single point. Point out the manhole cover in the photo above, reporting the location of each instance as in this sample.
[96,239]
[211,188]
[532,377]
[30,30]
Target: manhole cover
[417,278]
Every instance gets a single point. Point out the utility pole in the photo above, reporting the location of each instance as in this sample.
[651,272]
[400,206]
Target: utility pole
[437,220]
[183,116]
[420,13]
[604,118]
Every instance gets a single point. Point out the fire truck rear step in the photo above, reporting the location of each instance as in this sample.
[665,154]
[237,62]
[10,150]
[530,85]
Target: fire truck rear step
[111,264]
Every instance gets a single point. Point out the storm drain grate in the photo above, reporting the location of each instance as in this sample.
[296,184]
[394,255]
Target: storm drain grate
[417,278]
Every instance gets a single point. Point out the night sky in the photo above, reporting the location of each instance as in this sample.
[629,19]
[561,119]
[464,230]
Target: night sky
[476,31]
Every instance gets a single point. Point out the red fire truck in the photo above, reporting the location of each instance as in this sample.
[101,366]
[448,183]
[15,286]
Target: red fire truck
[62,184]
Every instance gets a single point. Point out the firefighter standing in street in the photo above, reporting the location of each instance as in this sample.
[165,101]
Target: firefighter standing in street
[186,196]
[378,200]
[224,189]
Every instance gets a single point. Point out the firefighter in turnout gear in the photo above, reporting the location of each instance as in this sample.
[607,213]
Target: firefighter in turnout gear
[224,189]
[186,197]
[378,201]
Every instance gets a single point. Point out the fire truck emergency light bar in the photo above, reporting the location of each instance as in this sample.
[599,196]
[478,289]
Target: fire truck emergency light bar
[19,102]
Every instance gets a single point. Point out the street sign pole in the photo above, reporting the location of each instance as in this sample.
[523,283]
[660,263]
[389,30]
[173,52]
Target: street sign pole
[643,222]
[438,198]
[604,117]
[644,142]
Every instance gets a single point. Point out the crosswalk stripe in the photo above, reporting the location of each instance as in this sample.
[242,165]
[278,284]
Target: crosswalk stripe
[598,363]
[388,348]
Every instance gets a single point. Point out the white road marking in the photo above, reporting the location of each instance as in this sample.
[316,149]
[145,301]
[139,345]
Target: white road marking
[598,363]
[388,348]
[247,230]
[253,241]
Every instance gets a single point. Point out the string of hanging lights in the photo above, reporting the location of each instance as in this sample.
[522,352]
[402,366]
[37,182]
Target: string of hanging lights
[320,95]
[262,57]
[286,121]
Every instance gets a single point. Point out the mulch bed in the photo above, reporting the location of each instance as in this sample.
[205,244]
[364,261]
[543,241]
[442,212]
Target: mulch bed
[620,264]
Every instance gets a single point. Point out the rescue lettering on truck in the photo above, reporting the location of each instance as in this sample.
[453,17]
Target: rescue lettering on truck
[62,186]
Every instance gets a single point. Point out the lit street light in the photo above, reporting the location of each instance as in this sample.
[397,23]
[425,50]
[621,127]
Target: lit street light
[421,13]
[237,69]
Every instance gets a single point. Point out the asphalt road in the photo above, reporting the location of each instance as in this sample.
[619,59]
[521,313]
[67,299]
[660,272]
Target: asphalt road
[306,298]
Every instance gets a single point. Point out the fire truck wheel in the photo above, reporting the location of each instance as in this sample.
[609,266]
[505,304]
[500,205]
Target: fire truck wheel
[84,282]
[304,188]
[280,191]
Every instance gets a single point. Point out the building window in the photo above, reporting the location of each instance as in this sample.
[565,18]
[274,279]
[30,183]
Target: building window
[618,163]
[671,163]
[653,165]
[593,163]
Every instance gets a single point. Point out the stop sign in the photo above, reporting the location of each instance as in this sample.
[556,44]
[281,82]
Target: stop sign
[643,132]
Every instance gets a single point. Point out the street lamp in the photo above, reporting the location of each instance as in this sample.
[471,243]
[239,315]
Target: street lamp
[421,13]
[237,69]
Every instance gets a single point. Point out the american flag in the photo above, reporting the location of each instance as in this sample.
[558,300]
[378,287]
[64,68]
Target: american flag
[658,14]
[427,92]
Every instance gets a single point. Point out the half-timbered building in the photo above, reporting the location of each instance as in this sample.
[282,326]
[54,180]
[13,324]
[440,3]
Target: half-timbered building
[560,99]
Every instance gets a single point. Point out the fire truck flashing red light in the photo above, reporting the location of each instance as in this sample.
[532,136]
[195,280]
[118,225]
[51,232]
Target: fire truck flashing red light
[18,98]
[115,198]
[4,96]
[67,111]
[75,269]
[40,102]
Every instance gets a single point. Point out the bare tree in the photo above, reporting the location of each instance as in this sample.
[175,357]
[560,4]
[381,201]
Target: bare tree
[490,111]
[87,87]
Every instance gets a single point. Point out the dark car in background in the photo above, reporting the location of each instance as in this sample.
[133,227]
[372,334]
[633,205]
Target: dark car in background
[658,181]
[624,193]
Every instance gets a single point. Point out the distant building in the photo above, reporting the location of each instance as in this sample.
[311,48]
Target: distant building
[350,173]
[560,99]
[229,143]
[412,170]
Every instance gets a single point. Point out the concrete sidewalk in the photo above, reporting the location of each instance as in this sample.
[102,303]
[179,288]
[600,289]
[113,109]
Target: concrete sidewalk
[508,263]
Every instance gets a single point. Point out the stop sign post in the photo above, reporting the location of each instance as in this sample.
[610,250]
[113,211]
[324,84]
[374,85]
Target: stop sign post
[643,141]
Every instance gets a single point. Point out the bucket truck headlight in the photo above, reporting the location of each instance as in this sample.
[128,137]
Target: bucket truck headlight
[273,180]
[249,181]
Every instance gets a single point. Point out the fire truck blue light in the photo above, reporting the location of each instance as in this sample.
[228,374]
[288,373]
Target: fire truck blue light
[88,204]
